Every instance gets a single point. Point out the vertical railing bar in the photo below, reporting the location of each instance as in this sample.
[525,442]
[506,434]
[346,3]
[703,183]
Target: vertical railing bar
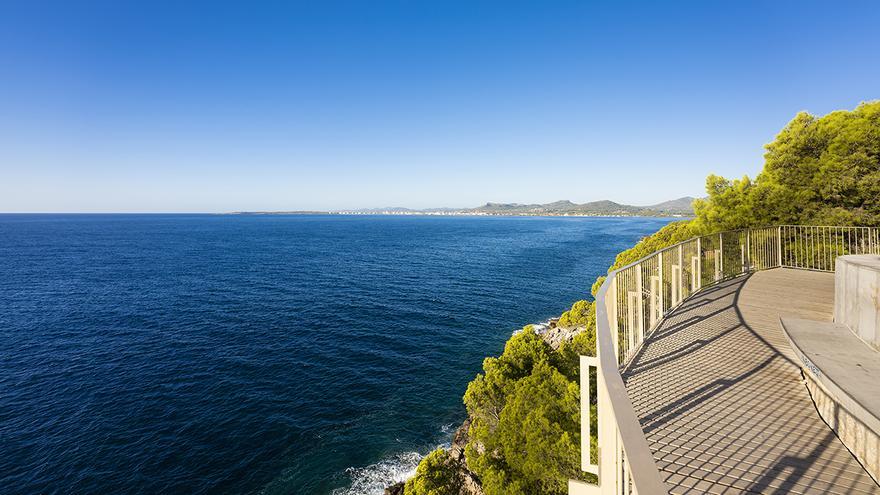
[699,263]
[749,248]
[587,362]
[661,289]
[641,304]
[829,259]
[680,297]
[779,247]
[812,241]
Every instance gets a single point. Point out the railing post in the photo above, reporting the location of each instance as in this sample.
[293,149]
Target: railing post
[660,289]
[779,246]
[699,264]
[871,241]
[720,260]
[607,445]
[748,250]
[641,306]
[680,275]
[652,302]
[615,325]
[588,362]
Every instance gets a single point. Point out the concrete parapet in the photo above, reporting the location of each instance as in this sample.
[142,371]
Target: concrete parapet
[857,296]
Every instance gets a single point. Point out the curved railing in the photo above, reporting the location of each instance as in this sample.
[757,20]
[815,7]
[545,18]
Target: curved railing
[636,298]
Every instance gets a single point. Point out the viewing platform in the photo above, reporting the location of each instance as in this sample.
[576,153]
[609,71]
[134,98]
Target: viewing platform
[720,396]
[738,362]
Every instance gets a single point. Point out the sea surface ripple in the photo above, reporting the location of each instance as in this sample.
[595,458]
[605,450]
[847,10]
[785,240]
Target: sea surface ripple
[262,354]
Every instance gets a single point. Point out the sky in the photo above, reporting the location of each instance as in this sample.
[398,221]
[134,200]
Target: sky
[227,106]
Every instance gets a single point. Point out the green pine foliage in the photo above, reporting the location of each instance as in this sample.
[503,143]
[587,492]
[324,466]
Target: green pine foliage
[435,475]
[818,170]
[582,313]
[670,234]
[525,411]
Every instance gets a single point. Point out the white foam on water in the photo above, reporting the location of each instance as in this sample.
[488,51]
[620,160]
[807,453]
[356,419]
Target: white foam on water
[540,328]
[372,479]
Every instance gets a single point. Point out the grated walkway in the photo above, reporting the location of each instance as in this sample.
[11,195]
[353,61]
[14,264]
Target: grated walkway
[721,399]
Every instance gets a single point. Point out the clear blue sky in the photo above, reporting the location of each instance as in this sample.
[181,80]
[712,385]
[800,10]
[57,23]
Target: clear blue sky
[161,106]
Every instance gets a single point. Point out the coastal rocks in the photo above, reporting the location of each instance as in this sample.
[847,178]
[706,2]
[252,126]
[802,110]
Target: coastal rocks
[555,336]
[470,484]
[459,441]
[395,489]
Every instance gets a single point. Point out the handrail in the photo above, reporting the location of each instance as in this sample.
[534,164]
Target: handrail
[646,477]
[635,298]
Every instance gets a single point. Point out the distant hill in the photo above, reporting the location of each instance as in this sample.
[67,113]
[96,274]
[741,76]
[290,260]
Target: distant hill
[675,207]
[681,206]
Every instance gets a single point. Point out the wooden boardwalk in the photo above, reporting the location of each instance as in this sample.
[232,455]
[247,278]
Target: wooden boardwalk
[721,399]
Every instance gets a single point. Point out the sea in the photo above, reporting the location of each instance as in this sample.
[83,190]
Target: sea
[265,354]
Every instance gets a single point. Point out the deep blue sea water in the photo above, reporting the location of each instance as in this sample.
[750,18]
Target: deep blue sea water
[262,354]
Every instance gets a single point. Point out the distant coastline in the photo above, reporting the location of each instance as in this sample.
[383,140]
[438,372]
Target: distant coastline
[677,208]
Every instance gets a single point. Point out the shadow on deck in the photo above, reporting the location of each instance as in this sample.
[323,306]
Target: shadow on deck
[721,398]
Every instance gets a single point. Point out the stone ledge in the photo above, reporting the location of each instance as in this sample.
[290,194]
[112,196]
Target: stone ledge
[841,372]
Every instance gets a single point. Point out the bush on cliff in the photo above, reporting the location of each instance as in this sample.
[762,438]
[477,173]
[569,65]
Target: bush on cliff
[568,355]
[435,475]
[535,445]
[487,394]
[581,314]
[524,435]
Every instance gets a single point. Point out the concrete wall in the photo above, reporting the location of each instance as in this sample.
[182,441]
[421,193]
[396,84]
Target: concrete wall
[863,442]
[857,296]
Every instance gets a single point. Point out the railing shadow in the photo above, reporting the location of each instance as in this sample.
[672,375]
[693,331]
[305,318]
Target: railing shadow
[794,465]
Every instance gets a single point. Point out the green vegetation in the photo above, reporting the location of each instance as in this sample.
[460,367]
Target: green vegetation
[434,476]
[581,313]
[525,433]
[818,170]
[525,411]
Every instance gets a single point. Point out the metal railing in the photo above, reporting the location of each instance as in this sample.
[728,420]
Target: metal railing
[636,298]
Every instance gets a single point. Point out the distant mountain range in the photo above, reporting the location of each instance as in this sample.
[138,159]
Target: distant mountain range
[676,207]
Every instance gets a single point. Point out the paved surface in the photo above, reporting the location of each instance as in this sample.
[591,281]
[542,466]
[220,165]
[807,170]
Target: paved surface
[722,402]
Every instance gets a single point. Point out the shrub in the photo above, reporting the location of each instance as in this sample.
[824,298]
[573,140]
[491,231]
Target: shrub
[435,475]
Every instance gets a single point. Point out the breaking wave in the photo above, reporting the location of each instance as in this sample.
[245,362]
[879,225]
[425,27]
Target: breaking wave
[373,479]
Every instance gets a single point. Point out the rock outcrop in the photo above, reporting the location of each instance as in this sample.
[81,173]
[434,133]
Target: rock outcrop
[395,489]
[556,335]
[470,482]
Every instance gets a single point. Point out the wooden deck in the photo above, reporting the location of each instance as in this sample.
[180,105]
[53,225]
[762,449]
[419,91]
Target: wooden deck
[721,398]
